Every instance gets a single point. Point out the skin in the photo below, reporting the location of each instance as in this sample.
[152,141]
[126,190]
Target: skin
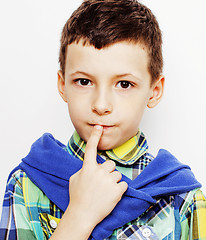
[86,206]
[110,87]
[106,92]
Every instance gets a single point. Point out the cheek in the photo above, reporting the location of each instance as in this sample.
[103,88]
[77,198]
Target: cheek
[76,104]
[74,111]
[79,116]
[135,111]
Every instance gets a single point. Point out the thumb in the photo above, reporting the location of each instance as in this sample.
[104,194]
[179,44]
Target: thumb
[91,147]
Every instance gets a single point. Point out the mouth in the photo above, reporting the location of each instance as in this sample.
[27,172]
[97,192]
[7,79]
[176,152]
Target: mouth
[105,126]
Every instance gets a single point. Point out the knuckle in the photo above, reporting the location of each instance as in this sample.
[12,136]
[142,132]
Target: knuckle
[124,186]
[120,176]
[117,175]
[120,190]
[119,195]
[103,165]
[113,164]
[110,164]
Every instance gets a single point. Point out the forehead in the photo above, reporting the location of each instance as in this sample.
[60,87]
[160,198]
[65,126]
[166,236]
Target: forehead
[119,58]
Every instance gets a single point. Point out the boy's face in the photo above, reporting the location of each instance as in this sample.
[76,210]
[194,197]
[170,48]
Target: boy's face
[109,87]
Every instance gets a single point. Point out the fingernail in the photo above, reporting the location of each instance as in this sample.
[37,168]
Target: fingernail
[98,127]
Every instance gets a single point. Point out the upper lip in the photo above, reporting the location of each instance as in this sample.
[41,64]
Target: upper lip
[103,125]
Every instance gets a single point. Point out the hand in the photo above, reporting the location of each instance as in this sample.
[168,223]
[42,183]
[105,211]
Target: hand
[94,192]
[95,189]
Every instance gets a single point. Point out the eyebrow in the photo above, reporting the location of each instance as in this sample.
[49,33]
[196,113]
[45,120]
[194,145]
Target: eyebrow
[116,76]
[127,75]
[80,72]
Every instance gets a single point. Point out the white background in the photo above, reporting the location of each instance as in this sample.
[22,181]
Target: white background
[29,102]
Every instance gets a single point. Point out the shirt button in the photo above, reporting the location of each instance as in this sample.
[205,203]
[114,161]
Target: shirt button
[53,223]
[146,232]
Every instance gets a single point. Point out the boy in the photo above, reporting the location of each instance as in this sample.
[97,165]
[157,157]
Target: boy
[111,65]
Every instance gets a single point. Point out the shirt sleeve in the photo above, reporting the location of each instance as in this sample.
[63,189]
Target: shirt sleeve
[194,217]
[15,223]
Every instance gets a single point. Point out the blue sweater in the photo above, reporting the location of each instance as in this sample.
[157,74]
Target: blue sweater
[49,166]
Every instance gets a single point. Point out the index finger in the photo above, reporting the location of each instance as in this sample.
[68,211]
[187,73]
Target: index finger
[91,147]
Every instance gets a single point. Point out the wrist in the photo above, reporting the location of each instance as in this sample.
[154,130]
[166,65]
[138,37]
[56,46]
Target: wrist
[80,219]
[73,226]
[82,216]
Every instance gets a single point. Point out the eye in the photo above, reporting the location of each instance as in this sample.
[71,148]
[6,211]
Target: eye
[124,84]
[83,82]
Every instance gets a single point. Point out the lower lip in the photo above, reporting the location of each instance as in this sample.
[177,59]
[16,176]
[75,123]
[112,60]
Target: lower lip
[105,128]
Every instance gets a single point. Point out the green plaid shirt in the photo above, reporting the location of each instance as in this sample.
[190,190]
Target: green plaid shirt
[28,213]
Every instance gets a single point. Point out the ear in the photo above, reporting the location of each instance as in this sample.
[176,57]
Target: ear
[157,92]
[61,85]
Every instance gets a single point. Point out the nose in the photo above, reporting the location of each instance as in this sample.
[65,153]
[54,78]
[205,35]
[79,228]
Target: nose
[102,103]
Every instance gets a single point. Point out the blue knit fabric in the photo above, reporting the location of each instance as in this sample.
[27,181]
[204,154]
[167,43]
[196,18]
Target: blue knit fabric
[49,166]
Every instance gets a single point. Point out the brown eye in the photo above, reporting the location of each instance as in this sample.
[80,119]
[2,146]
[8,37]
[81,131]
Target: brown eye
[124,84]
[83,82]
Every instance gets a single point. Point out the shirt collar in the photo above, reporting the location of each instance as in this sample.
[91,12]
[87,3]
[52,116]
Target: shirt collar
[127,153]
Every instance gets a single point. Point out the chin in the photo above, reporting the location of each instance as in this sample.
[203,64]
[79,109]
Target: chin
[103,146]
[107,144]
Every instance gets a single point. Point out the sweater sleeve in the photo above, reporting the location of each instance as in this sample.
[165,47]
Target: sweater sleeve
[193,217]
[15,223]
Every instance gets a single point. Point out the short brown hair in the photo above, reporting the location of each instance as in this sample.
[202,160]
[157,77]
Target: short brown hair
[101,23]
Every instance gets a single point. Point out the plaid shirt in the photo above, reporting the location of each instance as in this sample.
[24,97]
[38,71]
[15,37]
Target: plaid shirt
[28,213]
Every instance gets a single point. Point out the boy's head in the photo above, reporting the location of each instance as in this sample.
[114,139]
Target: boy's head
[101,23]
[109,73]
